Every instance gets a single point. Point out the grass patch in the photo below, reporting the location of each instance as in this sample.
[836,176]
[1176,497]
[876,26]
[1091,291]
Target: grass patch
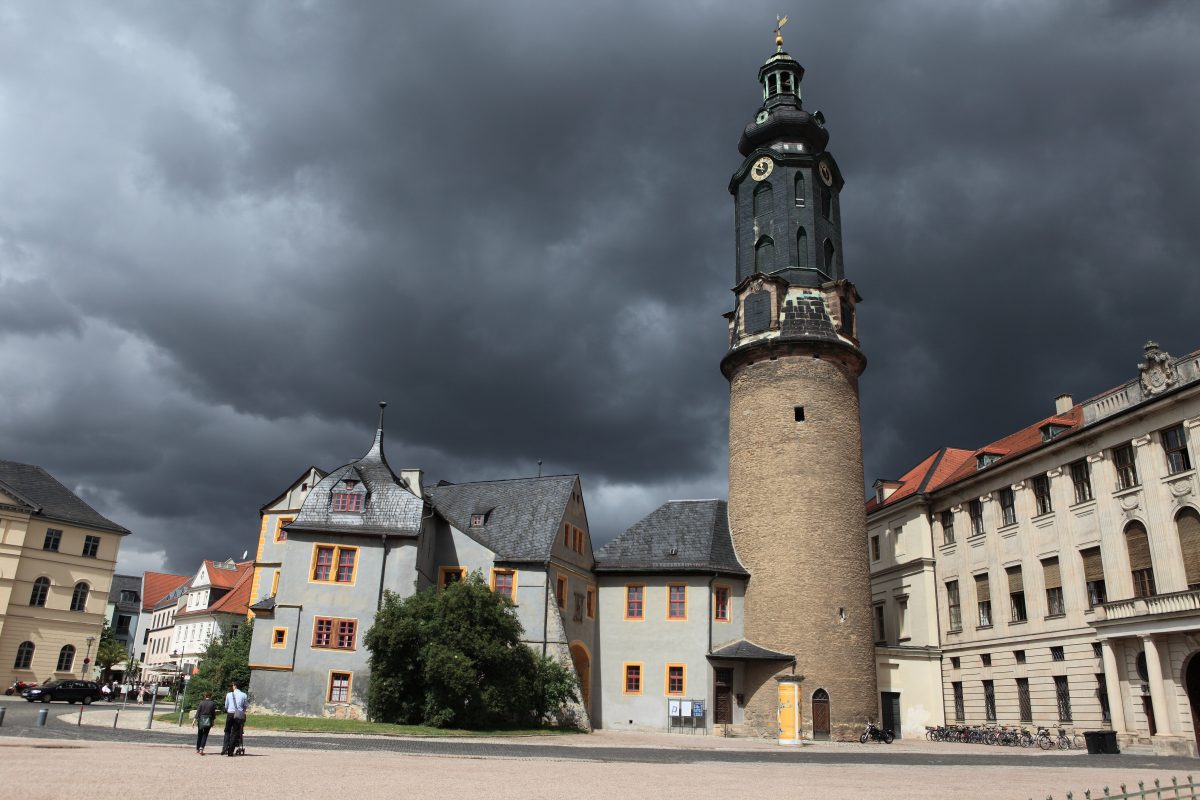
[270,722]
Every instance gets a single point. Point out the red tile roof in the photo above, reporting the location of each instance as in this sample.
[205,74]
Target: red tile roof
[950,464]
[924,475]
[237,600]
[222,577]
[157,585]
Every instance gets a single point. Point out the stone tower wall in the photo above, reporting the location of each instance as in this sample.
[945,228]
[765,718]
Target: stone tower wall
[797,516]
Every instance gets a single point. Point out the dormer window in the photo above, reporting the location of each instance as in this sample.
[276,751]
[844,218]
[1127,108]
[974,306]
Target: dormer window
[984,459]
[1050,430]
[477,520]
[347,501]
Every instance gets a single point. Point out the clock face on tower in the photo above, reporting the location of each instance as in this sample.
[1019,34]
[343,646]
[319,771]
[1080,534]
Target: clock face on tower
[826,173]
[762,168]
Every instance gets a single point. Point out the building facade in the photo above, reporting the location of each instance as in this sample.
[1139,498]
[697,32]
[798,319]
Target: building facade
[1068,566]
[214,605]
[154,587]
[121,615]
[57,559]
[795,443]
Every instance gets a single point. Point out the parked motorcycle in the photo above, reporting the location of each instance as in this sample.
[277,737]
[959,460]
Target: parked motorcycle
[19,687]
[874,733]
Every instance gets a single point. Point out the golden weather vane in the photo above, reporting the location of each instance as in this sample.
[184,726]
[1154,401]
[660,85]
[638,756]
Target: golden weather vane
[779,23]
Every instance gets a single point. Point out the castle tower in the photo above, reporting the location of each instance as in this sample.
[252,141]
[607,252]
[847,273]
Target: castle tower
[795,445]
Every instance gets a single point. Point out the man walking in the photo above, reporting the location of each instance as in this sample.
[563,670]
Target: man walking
[235,718]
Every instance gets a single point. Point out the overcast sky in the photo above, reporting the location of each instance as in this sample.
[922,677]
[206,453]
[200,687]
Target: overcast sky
[228,229]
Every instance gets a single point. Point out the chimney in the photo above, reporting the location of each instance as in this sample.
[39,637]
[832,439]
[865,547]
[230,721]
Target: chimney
[1063,403]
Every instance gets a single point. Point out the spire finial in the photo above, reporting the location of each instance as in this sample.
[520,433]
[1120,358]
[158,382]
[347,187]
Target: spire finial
[382,406]
[779,23]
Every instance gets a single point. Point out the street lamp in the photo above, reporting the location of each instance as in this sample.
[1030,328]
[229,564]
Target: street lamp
[87,658]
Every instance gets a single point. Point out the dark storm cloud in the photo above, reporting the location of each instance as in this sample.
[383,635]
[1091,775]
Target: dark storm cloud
[228,229]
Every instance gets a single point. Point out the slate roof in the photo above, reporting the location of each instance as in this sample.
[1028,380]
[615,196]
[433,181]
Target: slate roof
[157,585]
[51,499]
[522,515]
[389,507]
[744,650]
[679,536]
[264,605]
[129,583]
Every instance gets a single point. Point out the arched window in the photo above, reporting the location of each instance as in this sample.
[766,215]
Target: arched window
[801,192]
[1140,565]
[66,658]
[764,255]
[802,249]
[79,597]
[24,655]
[41,589]
[786,84]
[1187,522]
[829,255]
[764,196]
[826,203]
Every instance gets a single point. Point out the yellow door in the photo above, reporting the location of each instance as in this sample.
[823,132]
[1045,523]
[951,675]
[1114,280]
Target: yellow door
[789,713]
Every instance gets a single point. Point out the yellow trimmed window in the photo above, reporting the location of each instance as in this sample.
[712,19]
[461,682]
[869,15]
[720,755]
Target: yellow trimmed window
[677,601]
[278,637]
[449,575]
[275,583]
[635,605]
[504,581]
[633,679]
[676,678]
[280,533]
[330,633]
[339,687]
[721,604]
[560,591]
[334,564]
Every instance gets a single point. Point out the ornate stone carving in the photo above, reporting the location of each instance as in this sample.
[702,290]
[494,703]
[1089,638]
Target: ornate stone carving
[1158,373]
[1096,458]
[1018,486]
[987,498]
[1141,441]
[1054,473]
[956,509]
[1181,488]
[1130,502]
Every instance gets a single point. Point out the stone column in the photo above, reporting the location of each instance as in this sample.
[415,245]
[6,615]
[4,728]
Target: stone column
[1158,698]
[1112,682]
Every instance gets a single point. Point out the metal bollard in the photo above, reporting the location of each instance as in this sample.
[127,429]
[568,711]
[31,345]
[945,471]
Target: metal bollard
[2,710]
[42,714]
[153,704]
[79,721]
[116,717]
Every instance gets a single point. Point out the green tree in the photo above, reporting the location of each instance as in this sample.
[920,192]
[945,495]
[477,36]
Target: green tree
[226,661]
[455,658]
[110,651]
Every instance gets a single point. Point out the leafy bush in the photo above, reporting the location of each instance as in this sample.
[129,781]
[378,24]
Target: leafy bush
[226,661]
[454,658]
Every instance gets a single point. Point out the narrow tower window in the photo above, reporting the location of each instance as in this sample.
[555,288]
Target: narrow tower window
[829,256]
[799,412]
[763,198]
[802,249]
[800,190]
[786,81]
[826,203]
[764,255]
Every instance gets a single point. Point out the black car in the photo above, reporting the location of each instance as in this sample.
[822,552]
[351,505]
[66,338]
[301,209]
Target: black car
[83,691]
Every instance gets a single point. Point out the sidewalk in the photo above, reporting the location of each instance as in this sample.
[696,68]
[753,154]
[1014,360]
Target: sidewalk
[134,718]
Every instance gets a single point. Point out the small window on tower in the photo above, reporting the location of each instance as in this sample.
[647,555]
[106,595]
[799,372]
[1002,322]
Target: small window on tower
[799,413]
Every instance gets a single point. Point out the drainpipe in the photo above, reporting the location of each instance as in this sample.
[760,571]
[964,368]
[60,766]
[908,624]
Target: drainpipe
[382,571]
[546,611]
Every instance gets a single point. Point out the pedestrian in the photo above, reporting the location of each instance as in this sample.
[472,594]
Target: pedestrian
[206,712]
[106,690]
[141,694]
[235,719]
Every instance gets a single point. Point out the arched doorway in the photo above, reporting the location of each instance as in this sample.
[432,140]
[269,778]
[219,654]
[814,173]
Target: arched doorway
[1191,682]
[820,714]
[583,668]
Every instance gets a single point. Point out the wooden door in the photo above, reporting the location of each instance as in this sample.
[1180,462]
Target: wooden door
[820,714]
[723,707]
[889,702]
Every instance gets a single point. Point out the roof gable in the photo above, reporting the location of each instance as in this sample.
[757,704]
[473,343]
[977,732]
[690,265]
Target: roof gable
[237,599]
[521,515]
[308,479]
[157,585]
[678,536]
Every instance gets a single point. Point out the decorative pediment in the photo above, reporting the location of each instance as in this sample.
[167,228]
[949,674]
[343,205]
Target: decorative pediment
[1158,372]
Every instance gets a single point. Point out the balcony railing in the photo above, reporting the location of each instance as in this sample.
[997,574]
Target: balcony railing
[1149,606]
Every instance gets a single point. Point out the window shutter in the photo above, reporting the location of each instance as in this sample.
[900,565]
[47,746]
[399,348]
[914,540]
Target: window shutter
[1015,583]
[1139,547]
[1093,565]
[1188,523]
[1053,577]
[983,589]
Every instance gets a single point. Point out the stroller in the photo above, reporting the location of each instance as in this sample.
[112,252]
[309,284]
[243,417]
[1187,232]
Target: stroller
[237,743]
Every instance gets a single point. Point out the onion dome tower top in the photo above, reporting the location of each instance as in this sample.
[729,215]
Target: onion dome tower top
[782,115]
